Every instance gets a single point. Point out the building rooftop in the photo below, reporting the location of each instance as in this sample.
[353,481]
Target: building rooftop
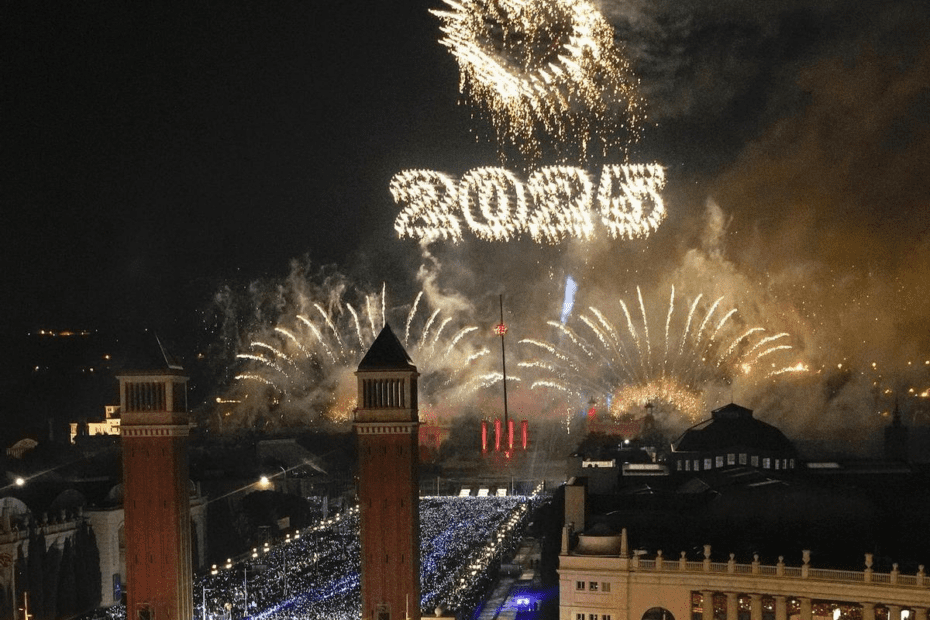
[732,427]
[386,353]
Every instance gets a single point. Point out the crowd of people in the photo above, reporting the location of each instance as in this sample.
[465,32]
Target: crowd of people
[313,574]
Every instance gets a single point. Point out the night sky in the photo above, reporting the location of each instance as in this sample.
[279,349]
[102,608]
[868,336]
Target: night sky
[154,154]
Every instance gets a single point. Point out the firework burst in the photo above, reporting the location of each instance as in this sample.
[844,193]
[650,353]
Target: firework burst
[618,365]
[544,68]
[300,367]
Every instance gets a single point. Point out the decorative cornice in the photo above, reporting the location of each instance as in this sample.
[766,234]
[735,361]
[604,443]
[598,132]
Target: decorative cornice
[385,428]
[139,430]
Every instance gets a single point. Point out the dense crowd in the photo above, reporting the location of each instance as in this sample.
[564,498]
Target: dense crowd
[314,573]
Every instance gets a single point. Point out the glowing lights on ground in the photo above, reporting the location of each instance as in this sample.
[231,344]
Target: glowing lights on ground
[314,574]
[555,203]
[544,69]
[622,369]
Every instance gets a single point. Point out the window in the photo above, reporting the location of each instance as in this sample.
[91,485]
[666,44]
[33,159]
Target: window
[767,463]
[605,617]
[791,463]
[708,464]
[755,460]
[592,587]
[579,616]
[687,465]
[678,465]
[592,616]
[579,585]
[719,461]
[742,458]
[697,465]
[777,463]
[605,587]
[731,459]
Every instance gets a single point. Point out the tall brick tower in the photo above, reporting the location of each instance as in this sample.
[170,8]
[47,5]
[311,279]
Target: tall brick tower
[386,424]
[156,494]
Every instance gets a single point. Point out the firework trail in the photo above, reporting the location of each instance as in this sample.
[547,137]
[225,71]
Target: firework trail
[619,368]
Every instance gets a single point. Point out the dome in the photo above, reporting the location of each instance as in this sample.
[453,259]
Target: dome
[733,428]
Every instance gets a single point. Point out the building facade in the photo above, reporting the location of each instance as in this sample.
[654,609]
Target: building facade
[600,579]
[386,427]
[156,501]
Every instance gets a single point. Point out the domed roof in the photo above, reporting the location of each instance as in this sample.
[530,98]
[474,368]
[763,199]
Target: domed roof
[732,427]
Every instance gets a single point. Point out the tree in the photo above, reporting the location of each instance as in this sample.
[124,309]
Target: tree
[87,568]
[52,565]
[67,583]
[35,573]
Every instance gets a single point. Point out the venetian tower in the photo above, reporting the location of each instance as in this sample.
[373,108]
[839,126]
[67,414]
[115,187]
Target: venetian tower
[386,424]
[156,495]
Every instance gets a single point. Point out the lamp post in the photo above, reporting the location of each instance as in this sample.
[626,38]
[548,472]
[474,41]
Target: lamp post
[286,541]
[501,330]
[245,587]
[203,603]
[25,607]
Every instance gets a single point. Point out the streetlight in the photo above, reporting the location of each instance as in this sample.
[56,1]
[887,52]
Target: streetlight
[203,602]
[20,481]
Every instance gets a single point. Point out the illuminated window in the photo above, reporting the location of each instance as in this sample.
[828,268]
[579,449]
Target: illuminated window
[579,585]
[592,586]
[767,463]
[791,463]
[742,458]
[697,465]
[719,461]
[777,463]
[678,465]
[687,465]
[755,460]
[731,459]
[708,464]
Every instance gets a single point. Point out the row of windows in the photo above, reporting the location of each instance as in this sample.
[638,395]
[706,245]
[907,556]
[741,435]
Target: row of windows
[592,616]
[731,459]
[593,586]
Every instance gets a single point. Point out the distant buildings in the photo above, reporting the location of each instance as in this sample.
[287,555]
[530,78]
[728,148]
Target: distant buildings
[109,426]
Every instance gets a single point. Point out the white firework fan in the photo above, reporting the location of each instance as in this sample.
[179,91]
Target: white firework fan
[544,68]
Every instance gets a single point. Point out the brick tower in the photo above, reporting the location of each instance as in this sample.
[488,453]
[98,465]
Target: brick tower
[386,424]
[156,495]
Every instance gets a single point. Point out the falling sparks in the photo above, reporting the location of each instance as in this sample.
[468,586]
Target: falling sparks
[544,69]
[554,204]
